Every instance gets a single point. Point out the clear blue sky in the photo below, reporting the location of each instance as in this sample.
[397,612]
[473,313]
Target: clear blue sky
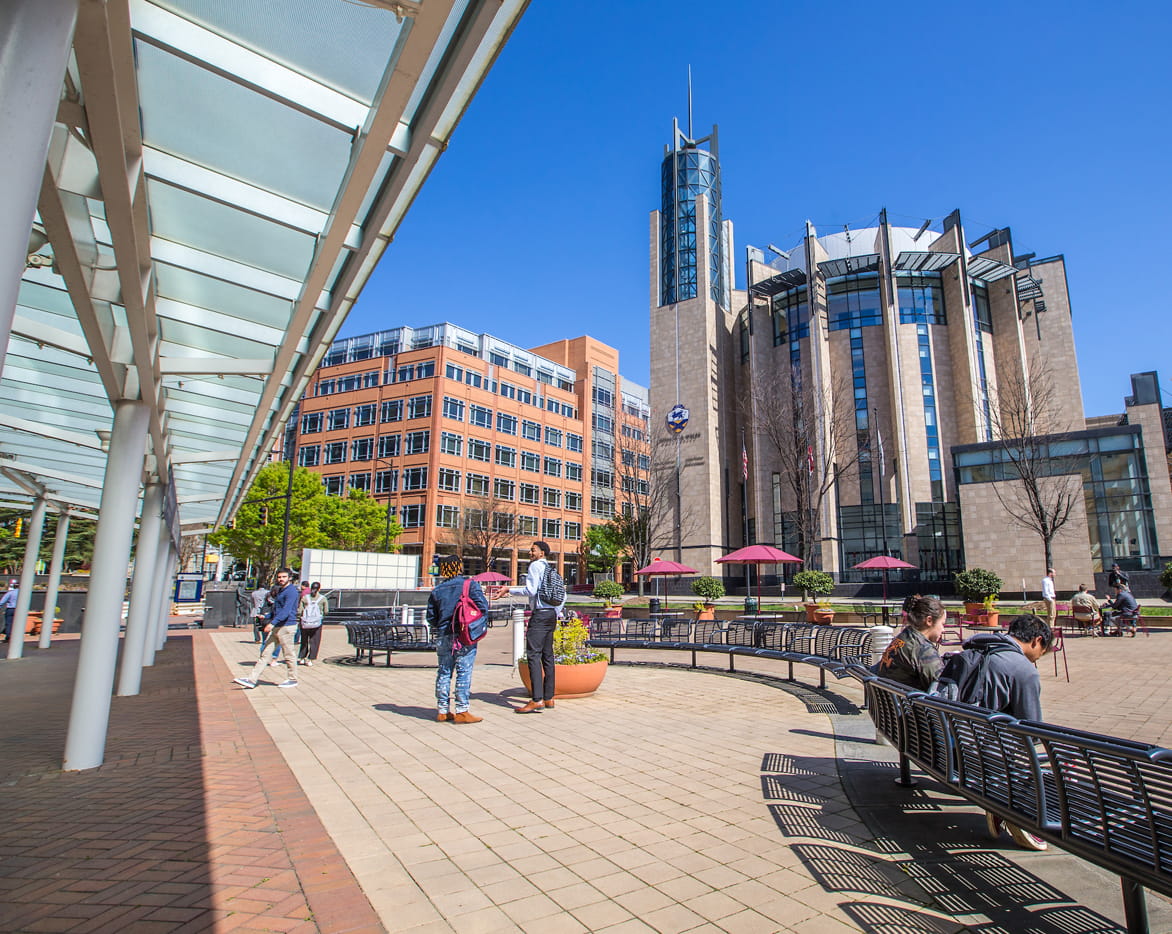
[1051,118]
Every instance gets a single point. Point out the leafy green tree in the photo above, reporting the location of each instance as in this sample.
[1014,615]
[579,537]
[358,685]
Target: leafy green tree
[259,526]
[79,548]
[603,547]
[357,522]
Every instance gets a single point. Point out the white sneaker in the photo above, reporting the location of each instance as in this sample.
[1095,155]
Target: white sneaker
[274,664]
[244,682]
[309,663]
[289,683]
[1026,840]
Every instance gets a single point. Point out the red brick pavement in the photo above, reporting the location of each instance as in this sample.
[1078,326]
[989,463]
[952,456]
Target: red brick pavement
[194,822]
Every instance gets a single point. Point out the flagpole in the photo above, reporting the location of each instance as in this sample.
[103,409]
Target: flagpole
[882,504]
[745,508]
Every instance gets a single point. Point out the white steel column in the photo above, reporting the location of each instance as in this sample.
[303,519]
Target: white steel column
[35,36]
[164,613]
[89,718]
[157,633]
[28,574]
[142,590]
[54,585]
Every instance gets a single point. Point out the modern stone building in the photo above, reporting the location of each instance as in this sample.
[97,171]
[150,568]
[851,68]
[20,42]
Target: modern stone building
[846,404]
[475,442]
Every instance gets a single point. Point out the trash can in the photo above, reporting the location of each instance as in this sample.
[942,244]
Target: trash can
[653,605]
[751,606]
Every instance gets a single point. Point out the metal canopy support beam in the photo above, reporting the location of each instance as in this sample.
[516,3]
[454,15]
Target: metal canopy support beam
[54,584]
[161,605]
[89,718]
[35,36]
[28,572]
[138,622]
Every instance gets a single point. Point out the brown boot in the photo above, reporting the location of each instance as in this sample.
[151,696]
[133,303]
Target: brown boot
[465,717]
[534,706]
[549,704]
[443,716]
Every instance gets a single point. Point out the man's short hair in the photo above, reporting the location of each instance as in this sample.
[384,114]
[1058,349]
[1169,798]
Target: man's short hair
[286,571]
[924,611]
[1028,627]
[1049,570]
[544,546]
[1082,587]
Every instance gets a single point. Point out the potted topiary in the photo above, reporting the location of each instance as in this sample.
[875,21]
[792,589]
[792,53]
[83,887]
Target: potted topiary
[979,589]
[818,584]
[578,668]
[610,592]
[709,589]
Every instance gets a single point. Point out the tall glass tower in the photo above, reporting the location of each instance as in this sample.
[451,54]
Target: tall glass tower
[688,174]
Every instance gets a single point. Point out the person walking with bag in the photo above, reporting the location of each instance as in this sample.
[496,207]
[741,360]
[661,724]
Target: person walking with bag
[279,631]
[454,658]
[543,618]
[314,607]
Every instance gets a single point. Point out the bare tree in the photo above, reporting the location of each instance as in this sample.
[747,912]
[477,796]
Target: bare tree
[1038,493]
[484,526]
[813,442]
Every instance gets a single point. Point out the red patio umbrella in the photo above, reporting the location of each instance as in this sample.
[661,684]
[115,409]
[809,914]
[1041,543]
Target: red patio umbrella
[489,577]
[660,567]
[883,563]
[759,555]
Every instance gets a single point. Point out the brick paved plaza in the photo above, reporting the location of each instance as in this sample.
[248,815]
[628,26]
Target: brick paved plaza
[671,801]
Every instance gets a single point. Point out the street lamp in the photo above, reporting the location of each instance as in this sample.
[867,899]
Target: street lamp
[391,486]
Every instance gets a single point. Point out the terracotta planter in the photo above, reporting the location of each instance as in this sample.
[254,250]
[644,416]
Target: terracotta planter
[613,612]
[709,612]
[818,614]
[973,610]
[570,680]
[32,625]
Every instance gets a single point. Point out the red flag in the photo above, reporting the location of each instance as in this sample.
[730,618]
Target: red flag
[744,462]
[810,457]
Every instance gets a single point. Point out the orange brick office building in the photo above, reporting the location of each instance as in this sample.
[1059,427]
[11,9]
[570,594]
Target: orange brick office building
[474,440]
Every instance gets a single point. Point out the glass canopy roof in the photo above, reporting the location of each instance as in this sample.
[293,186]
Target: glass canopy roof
[222,179]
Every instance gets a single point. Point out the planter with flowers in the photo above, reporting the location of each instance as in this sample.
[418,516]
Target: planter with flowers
[709,590]
[610,592]
[578,669]
[979,589]
[816,584]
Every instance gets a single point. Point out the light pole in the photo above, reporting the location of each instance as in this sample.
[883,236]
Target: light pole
[391,485]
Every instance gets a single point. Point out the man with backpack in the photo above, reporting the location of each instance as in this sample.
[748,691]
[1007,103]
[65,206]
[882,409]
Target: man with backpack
[547,595]
[457,636]
[998,672]
[313,609]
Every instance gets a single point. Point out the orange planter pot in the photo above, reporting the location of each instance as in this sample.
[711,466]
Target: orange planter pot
[32,625]
[570,680]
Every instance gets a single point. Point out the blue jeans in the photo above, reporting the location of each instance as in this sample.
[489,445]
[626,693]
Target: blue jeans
[462,662]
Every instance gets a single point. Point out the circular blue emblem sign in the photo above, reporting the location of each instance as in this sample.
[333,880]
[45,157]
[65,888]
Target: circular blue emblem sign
[677,418]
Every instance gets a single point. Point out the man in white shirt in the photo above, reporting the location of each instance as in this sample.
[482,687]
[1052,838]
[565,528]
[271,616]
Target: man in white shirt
[1048,596]
[539,636]
[8,604]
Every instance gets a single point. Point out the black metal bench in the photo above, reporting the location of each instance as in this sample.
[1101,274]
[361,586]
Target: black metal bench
[390,631]
[1105,799]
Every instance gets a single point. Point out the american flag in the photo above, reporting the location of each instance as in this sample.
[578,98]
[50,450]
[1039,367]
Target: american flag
[882,458]
[810,457]
[744,462]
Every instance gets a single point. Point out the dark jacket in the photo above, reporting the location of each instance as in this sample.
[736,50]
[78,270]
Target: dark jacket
[1124,603]
[285,605]
[442,602]
[1008,683]
[911,659]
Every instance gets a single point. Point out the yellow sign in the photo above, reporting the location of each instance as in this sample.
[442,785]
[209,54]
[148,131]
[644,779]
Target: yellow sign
[211,559]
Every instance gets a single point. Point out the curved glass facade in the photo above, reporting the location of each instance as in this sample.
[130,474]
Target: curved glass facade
[687,175]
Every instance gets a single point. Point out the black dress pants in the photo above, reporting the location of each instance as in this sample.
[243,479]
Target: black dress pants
[539,649]
[310,639]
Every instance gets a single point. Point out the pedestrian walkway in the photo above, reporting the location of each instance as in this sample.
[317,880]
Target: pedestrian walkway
[671,801]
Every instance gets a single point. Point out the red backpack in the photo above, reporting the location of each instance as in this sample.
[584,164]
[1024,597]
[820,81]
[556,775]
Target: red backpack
[469,624]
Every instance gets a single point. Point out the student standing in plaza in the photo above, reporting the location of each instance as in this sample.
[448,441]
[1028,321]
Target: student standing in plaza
[539,636]
[913,657]
[458,659]
[279,631]
[1049,596]
[259,599]
[314,607]
[8,602]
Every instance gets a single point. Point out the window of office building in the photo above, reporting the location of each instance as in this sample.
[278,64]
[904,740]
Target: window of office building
[362,449]
[527,525]
[504,489]
[392,410]
[506,456]
[311,422]
[553,467]
[530,431]
[553,437]
[419,407]
[602,507]
[335,486]
[370,380]
[339,418]
[479,450]
[854,302]
[335,452]
[365,415]
[447,517]
[473,379]
[412,516]
[573,471]
[388,445]
[449,480]
[360,481]
[325,387]
[530,493]
[417,442]
[479,416]
[454,409]
[572,531]
[551,528]
[506,424]
[573,501]
[504,522]
[451,371]
[349,383]
[921,298]
[451,444]
[508,390]
[415,478]
[551,498]
[476,484]
[531,461]
[309,455]
[386,481]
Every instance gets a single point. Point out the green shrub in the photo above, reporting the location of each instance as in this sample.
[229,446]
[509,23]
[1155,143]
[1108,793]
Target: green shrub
[818,583]
[708,587]
[975,585]
[608,591]
[1165,578]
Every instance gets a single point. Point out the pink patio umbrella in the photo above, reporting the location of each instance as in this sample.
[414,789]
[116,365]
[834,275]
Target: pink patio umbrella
[660,567]
[759,555]
[489,577]
[883,563]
